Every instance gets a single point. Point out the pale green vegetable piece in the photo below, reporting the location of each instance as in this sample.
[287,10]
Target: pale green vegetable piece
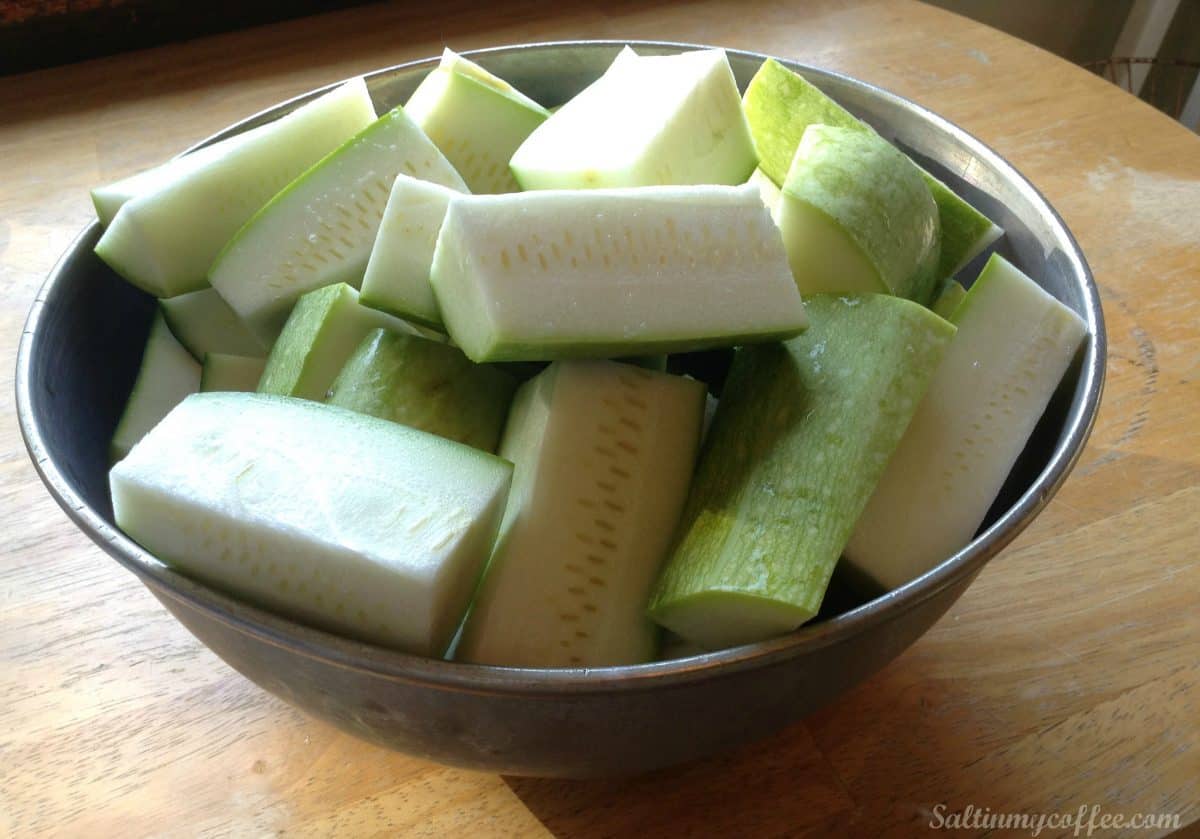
[802,433]
[603,453]
[164,241]
[477,119]
[110,198]
[336,519]
[321,228]
[857,217]
[204,323]
[167,374]
[948,301]
[397,276]
[648,121]
[780,105]
[768,190]
[324,329]
[966,232]
[1013,346]
[235,373]
[427,385]
[608,273]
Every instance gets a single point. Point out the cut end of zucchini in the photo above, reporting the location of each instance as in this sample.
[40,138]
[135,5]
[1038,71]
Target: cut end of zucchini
[204,323]
[456,63]
[888,221]
[769,191]
[110,198]
[653,120]
[477,119]
[716,620]
[168,373]
[980,244]
[397,275]
[108,201]
[822,254]
[125,248]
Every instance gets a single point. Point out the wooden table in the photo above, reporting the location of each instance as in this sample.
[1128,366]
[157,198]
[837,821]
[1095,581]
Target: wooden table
[1067,676]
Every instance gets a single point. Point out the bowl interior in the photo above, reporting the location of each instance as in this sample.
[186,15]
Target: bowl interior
[80,352]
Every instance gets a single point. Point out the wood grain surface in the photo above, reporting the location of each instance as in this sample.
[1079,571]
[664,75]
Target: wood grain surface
[1067,676]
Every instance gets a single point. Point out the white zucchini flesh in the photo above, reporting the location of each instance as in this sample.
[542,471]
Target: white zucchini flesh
[321,228]
[164,241]
[647,121]
[603,455]
[352,524]
[1014,343]
[204,323]
[606,273]
[110,198]
[168,373]
[477,119]
[771,194]
[397,275]
[234,373]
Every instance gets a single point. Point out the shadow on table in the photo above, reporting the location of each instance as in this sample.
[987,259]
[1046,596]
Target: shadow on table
[802,781]
[753,791]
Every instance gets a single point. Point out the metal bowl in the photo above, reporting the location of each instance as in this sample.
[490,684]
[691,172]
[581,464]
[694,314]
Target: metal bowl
[79,354]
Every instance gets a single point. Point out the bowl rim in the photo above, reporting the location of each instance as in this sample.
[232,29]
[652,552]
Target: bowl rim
[550,682]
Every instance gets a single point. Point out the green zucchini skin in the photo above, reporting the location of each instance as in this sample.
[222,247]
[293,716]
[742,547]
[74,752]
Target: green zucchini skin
[427,385]
[803,431]
[949,299]
[1014,344]
[857,217]
[322,332]
[780,105]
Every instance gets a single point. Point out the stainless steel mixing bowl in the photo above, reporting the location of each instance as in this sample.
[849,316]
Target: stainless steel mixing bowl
[80,352]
